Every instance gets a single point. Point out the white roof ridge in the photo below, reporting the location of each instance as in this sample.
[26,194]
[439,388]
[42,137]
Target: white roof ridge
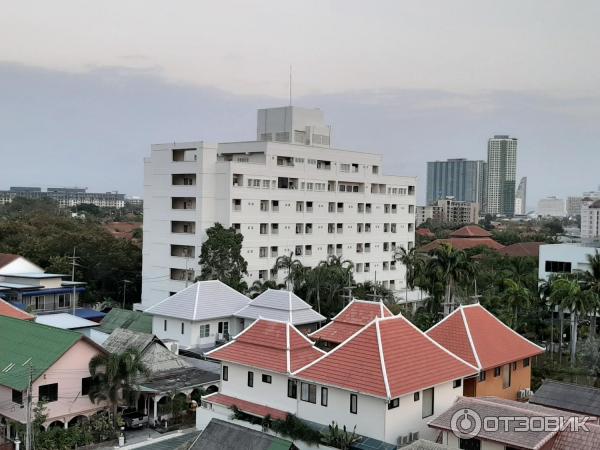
[382,361]
[196,301]
[288,355]
[471,343]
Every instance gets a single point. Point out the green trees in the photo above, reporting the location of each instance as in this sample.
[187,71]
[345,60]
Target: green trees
[516,297]
[221,257]
[292,268]
[114,376]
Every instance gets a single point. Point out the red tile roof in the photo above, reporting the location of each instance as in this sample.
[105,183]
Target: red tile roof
[522,249]
[8,310]
[473,333]
[349,320]
[424,232]
[387,358]
[7,258]
[462,244]
[247,407]
[470,231]
[270,345]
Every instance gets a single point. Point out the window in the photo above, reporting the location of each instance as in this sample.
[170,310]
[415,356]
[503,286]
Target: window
[225,373]
[223,327]
[394,403]
[457,383]
[86,383]
[506,376]
[324,396]
[182,328]
[416,396]
[64,300]
[497,371]
[526,362]
[427,405]
[514,366]
[353,403]
[250,379]
[469,444]
[308,392]
[17,397]
[48,393]
[205,330]
[558,266]
[267,378]
[165,325]
[292,389]
[482,375]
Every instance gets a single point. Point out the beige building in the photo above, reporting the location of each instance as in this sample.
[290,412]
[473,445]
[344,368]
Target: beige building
[590,220]
[449,210]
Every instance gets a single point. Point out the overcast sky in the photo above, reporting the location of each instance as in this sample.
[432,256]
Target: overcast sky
[87,86]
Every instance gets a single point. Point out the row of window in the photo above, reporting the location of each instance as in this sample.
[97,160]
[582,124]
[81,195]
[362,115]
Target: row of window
[332,228]
[505,371]
[48,393]
[308,206]
[223,328]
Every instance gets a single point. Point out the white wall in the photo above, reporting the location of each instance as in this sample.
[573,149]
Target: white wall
[574,253]
[191,330]
[20,265]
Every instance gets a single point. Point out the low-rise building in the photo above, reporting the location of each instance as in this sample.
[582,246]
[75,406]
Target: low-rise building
[448,210]
[387,379]
[58,363]
[558,259]
[502,356]
[65,197]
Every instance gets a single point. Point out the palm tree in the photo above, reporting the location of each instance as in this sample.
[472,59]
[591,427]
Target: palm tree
[516,296]
[114,377]
[291,265]
[412,261]
[591,282]
[544,291]
[260,286]
[453,267]
[316,279]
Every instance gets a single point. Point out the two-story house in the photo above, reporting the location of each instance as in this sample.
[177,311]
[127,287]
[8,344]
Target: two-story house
[387,379]
[57,361]
[502,355]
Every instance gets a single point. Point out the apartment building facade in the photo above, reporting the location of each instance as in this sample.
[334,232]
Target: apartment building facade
[287,192]
[65,197]
[501,175]
[449,210]
[551,207]
[459,178]
[521,198]
[590,220]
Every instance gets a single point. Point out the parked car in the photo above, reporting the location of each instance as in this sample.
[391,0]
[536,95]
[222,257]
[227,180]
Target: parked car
[135,419]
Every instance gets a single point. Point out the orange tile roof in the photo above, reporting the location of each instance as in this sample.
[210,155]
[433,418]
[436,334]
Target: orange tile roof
[349,320]
[8,310]
[270,345]
[470,231]
[254,409]
[522,249]
[387,358]
[463,243]
[472,332]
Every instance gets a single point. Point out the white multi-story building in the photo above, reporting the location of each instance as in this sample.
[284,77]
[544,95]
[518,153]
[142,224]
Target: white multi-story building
[287,192]
[556,259]
[551,207]
[501,175]
[590,220]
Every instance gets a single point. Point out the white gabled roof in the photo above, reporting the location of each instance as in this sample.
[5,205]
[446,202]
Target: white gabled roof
[202,300]
[283,306]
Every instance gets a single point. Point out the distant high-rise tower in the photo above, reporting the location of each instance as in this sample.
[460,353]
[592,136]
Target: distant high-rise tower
[501,175]
[521,198]
[459,178]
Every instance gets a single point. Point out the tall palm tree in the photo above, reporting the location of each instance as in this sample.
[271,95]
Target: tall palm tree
[316,280]
[567,292]
[453,267]
[591,282]
[516,297]
[260,286]
[291,265]
[544,291]
[114,377]
[412,261]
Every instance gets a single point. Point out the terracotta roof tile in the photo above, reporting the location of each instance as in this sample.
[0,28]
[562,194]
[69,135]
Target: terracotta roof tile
[522,249]
[8,310]
[463,243]
[493,343]
[387,358]
[349,320]
[264,345]
[470,231]
[254,409]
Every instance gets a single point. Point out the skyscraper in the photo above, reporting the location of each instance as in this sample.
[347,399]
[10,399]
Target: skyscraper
[501,175]
[459,178]
[521,198]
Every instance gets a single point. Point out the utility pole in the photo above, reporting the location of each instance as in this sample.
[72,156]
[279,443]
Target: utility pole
[73,264]
[28,439]
[125,282]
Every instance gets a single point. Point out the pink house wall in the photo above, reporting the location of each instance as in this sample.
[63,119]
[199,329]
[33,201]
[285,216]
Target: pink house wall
[67,372]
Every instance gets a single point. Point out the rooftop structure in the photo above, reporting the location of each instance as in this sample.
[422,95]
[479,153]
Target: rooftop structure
[124,318]
[467,237]
[66,321]
[574,398]
[222,435]
[349,320]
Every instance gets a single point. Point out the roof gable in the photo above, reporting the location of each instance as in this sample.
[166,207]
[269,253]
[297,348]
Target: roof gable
[23,342]
[396,358]
[349,320]
[270,345]
[471,231]
[202,300]
[280,305]
[492,342]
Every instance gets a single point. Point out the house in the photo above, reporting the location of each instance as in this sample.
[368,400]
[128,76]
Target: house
[502,356]
[169,375]
[198,316]
[121,318]
[67,321]
[58,363]
[348,321]
[470,236]
[503,435]
[574,398]
[223,435]
[24,283]
[386,379]
[8,310]
[284,306]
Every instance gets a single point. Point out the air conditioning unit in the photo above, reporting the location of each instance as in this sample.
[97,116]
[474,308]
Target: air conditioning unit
[413,436]
[403,440]
[524,394]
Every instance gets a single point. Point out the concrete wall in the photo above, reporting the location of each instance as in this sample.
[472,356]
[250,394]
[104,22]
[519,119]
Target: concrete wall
[493,385]
[573,253]
[191,330]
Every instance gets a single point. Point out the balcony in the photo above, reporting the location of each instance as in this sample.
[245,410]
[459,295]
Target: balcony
[183,251]
[286,161]
[183,227]
[323,165]
[183,203]
[236,204]
[183,179]
[184,155]
[287,183]
[182,274]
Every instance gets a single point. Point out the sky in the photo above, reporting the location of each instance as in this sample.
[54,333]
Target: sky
[87,86]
